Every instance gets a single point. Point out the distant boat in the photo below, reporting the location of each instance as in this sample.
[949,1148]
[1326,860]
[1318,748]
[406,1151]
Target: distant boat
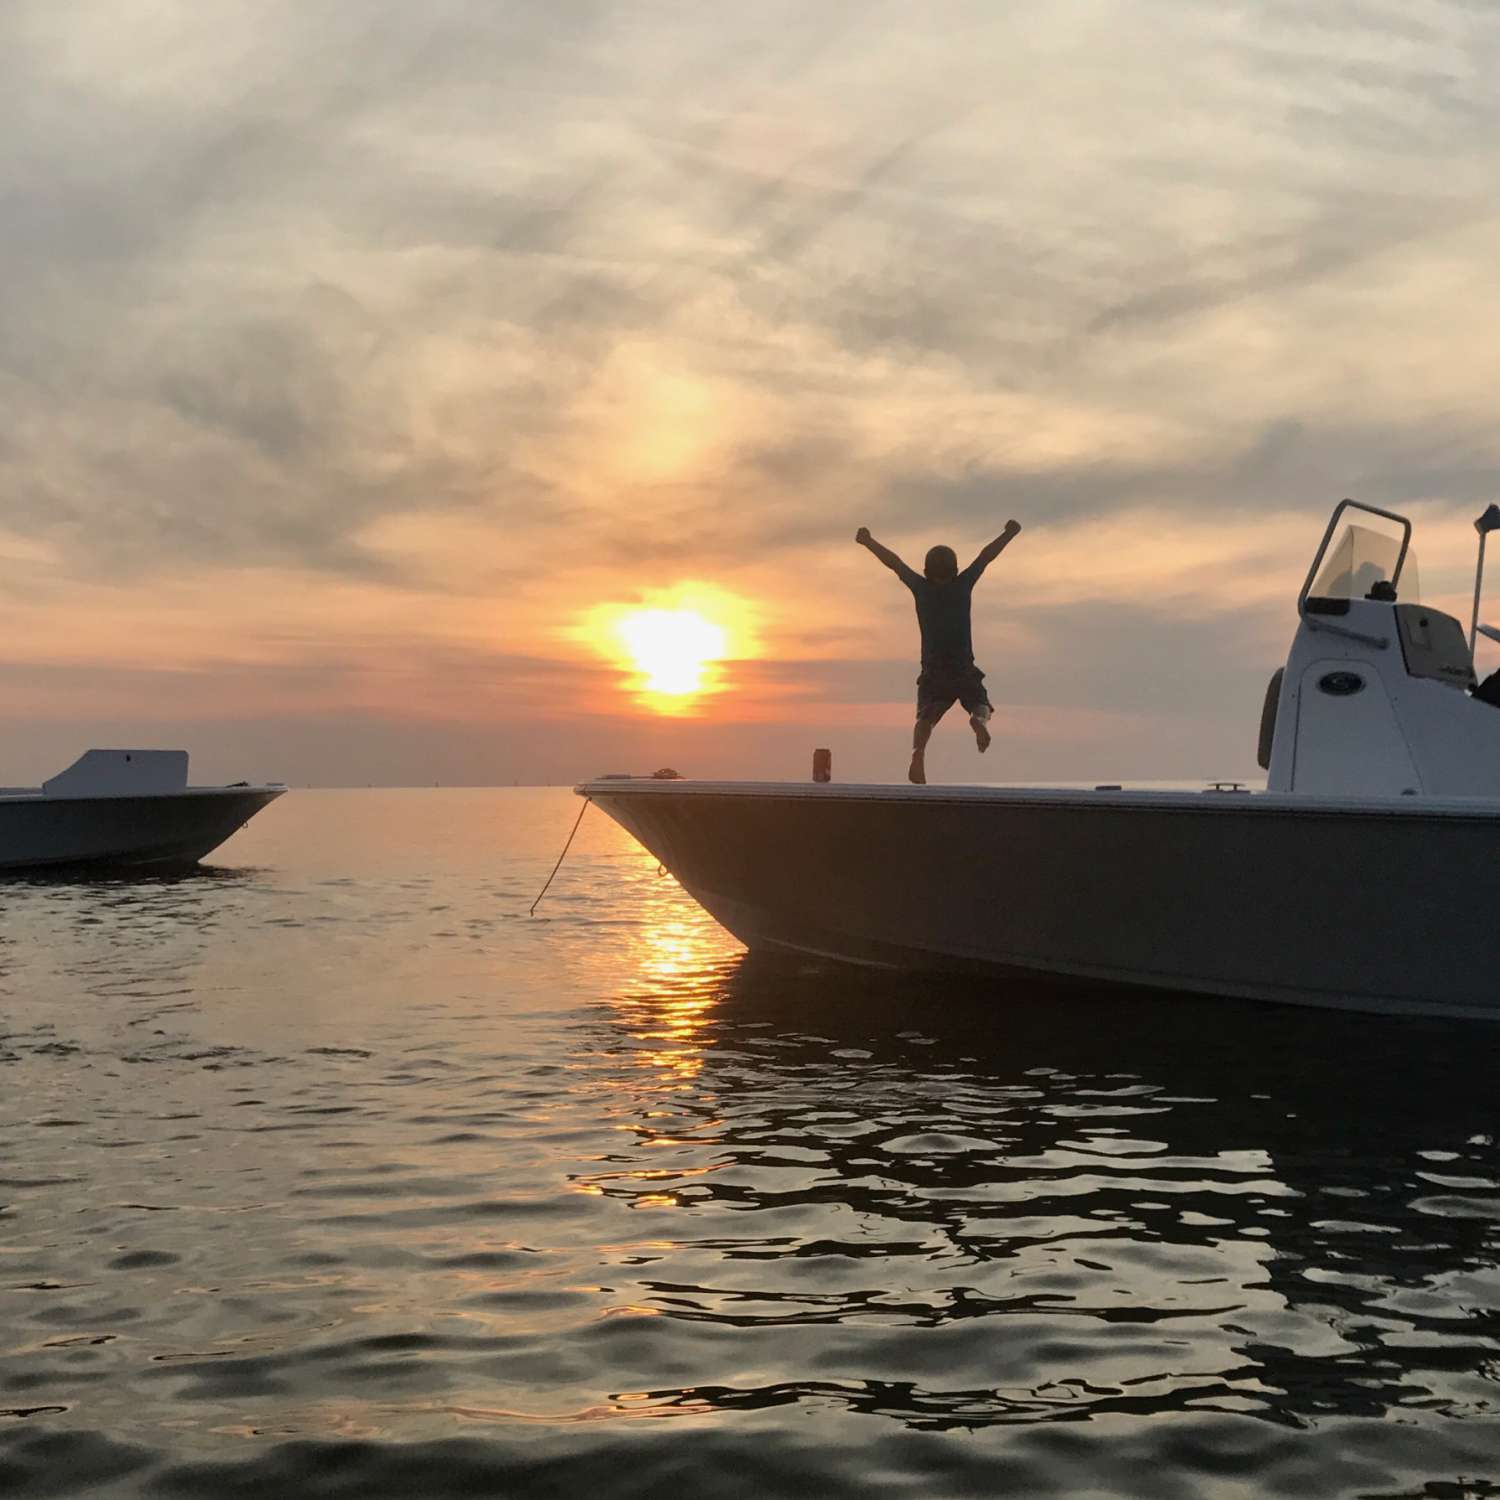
[1365,876]
[125,808]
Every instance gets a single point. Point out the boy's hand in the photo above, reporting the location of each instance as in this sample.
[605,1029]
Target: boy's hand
[1012,528]
[862,536]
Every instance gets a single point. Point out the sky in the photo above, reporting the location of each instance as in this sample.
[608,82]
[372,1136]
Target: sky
[363,365]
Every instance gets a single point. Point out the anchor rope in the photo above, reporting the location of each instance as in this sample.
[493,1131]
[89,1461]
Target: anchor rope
[560,858]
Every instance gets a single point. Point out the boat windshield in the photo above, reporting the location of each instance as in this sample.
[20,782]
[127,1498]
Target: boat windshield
[1362,558]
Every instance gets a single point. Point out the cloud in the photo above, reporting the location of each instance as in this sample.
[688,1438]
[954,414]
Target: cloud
[466,301]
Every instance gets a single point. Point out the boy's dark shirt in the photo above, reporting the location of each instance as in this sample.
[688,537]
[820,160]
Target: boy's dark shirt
[943,614]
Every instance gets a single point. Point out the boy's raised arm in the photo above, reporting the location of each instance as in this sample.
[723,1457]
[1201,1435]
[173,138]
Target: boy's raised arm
[989,553]
[889,558]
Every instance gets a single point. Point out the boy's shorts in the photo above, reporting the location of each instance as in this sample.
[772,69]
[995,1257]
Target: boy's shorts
[939,687]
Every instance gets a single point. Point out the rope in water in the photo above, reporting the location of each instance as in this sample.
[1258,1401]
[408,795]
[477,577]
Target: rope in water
[560,858]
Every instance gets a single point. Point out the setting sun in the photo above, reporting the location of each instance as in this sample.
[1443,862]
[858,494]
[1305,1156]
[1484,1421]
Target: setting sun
[672,644]
[670,648]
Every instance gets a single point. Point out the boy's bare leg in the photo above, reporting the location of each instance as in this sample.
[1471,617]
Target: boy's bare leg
[917,773]
[979,722]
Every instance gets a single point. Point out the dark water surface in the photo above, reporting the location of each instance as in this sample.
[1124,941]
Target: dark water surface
[328,1172]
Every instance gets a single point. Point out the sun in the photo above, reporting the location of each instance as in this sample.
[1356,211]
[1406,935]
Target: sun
[673,645]
[671,649]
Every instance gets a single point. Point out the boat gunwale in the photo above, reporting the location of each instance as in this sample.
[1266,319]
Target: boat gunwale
[37,795]
[1209,801]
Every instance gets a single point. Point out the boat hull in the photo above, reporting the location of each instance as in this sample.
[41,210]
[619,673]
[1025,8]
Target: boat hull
[171,829]
[1369,905]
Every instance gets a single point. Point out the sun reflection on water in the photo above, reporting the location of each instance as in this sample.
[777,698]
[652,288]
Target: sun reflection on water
[680,956]
[661,1021]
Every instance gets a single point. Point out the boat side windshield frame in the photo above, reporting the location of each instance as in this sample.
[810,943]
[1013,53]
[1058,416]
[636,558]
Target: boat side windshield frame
[1322,622]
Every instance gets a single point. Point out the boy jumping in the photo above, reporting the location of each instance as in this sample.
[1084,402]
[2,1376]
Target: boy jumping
[943,596]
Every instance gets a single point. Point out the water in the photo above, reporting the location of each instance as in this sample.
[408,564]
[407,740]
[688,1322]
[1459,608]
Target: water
[329,1172]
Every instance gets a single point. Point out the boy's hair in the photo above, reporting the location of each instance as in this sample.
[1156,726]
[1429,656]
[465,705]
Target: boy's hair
[941,565]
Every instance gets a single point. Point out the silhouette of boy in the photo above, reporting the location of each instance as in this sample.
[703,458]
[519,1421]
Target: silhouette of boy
[943,596]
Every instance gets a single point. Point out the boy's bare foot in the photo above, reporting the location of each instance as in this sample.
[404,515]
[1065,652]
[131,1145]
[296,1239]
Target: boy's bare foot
[917,771]
[981,734]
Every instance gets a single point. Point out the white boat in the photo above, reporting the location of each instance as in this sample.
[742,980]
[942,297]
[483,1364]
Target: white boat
[128,808]
[1366,875]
